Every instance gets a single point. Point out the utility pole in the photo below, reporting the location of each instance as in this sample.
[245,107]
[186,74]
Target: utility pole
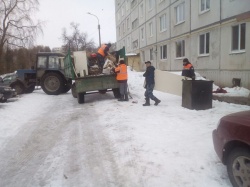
[99,28]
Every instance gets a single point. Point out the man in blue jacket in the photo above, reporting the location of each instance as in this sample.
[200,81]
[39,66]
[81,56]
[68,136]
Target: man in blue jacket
[150,84]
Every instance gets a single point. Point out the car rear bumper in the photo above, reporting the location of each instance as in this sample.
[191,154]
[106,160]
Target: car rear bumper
[218,145]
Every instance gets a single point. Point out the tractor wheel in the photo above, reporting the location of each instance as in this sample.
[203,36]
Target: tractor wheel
[80,98]
[73,90]
[19,87]
[31,88]
[52,83]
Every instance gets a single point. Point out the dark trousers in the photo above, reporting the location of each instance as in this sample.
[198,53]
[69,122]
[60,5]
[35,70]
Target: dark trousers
[149,91]
[100,60]
[123,86]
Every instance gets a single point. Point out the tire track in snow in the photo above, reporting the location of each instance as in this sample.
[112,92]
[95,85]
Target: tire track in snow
[28,149]
[97,164]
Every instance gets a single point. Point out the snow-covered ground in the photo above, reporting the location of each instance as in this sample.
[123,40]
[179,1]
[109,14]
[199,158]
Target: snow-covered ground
[54,141]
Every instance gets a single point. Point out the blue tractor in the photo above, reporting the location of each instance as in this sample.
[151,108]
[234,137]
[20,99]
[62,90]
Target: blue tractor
[47,73]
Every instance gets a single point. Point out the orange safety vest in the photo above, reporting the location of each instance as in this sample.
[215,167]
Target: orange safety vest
[188,66]
[122,73]
[101,50]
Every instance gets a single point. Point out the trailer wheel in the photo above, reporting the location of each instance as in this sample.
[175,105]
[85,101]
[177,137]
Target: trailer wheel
[116,92]
[67,86]
[19,87]
[31,88]
[102,91]
[73,90]
[80,98]
[52,83]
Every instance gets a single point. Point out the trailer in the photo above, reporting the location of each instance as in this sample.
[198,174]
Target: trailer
[76,68]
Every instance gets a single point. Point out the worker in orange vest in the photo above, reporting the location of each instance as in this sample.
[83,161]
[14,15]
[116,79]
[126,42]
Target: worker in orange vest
[122,78]
[102,53]
[188,69]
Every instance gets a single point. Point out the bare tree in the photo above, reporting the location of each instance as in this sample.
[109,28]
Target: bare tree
[17,28]
[77,40]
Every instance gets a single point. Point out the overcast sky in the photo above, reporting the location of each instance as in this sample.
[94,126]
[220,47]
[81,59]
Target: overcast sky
[58,14]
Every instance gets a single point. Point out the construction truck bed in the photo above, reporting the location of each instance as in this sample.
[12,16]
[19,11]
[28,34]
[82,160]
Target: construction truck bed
[88,84]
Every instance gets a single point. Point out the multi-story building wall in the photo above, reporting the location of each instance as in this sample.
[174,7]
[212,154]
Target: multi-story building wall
[213,34]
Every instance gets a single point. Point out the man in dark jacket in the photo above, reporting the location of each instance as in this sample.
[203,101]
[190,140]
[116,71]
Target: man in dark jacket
[150,83]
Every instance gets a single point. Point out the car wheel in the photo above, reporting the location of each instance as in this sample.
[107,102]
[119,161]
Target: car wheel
[31,88]
[238,167]
[19,88]
[3,100]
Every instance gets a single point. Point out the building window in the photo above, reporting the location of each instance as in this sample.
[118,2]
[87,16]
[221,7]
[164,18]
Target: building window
[135,44]
[141,11]
[119,17]
[163,24]
[151,29]
[180,13]
[123,27]
[127,5]
[143,56]
[122,11]
[151,54]
[238,37]
[150,4]
[135,24]
[128,42]
[180,48]
[164,52]
[204,5]
[128,24]
[133,3]
[142,33]
[204,44]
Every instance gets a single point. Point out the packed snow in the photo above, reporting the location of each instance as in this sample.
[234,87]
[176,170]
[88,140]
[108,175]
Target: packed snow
[54,141]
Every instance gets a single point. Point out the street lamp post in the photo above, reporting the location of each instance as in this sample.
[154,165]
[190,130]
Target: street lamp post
[98,28]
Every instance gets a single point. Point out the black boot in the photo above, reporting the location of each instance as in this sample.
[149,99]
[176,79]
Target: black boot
[126,97]
[157,101]
[147,102]
[121,98]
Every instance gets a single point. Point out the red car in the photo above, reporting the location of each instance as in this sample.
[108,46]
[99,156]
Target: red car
[232,144]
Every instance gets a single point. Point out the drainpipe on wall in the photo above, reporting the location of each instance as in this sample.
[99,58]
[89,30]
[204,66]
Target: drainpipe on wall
[155,51]
[170,36]
[220,39]
[190,25]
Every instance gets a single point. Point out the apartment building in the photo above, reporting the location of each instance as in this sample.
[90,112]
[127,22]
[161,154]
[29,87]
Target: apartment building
[213,34]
